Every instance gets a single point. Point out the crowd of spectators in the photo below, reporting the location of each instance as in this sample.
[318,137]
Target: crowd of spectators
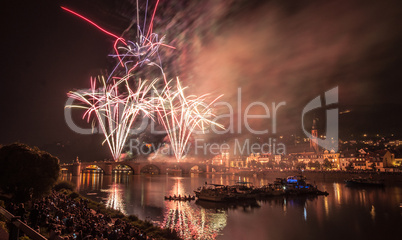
[66,218]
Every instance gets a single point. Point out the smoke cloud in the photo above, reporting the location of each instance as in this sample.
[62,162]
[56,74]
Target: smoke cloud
[277,51]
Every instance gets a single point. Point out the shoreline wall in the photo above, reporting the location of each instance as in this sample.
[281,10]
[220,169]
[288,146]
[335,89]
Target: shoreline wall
[337,176]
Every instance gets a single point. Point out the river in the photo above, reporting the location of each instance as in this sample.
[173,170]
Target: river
[346,213]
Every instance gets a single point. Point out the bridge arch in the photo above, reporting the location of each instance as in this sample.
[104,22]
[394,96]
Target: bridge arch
[64,168]
[175,169]
[197,168]
[92,168]
[218,169]
[123,168]
[150,169]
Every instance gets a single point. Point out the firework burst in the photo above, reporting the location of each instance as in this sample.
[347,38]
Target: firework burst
[115,110]
[116,106]
[182,115]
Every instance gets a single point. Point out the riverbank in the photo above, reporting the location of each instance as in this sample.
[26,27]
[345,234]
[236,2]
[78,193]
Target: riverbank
[336,176]
[65,214]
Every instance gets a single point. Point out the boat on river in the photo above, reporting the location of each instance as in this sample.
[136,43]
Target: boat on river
[297,185]
[271,190]
[364,182]
[180,198]
[214,192]
[298,179]
[294,185]
[243,190]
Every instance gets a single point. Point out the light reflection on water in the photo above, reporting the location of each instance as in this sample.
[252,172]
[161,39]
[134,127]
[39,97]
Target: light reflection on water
[346,213]
[191,222]
[114,199]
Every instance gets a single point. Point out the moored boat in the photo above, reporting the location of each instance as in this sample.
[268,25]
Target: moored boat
[298,179]
[243,190]
[180,198]
[369,182]
[213,192]
[271,190]
[295,185]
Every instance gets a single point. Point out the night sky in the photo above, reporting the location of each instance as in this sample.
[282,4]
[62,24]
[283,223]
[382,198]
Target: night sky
[274,51]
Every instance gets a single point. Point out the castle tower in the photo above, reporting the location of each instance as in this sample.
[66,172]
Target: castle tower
[76,170]
[314,136]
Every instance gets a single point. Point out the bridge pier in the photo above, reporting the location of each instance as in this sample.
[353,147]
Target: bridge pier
[137,171]
[76,169]
[107,170]
[162,169]
[209,168]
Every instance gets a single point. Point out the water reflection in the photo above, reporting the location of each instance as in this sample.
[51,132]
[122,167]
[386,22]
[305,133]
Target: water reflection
[114,199]
[189,221]
[87,180]
[245,206]
[363,210]
[120,177]
[91,181]
[372,212]
[193,222]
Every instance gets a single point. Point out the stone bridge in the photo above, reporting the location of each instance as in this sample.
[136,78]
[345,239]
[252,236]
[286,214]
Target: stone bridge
[162,167]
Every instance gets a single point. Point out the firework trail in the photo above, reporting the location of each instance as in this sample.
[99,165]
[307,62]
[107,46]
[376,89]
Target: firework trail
[115,111]
[131,54]
[181,115]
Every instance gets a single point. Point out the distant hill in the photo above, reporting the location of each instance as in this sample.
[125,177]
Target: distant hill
[375,119]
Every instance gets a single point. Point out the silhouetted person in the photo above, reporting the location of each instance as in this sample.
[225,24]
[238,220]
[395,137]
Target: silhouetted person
[21,212]
[33,216]
[11,208]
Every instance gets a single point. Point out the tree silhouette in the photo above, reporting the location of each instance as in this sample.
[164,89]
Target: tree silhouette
[327,164]
[314,164]
[350,166]
[373,167]
[301,165]
[27,172]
